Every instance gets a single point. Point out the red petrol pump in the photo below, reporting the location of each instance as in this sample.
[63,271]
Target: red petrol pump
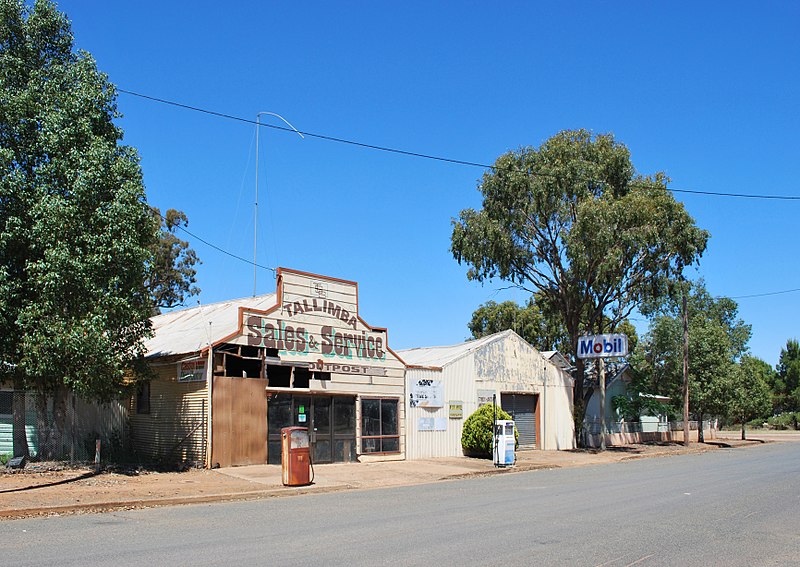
[295,456]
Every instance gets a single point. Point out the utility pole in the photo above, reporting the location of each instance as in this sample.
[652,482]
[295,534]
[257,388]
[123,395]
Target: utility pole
[685,372]
[601,363]
[255,208]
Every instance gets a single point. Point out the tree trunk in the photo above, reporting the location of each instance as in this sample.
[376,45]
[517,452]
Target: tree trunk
[20,435]
[43,432]
[743,435]
[685,318]
[700,437]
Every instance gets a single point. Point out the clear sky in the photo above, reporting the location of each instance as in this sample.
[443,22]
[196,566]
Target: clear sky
[707,92]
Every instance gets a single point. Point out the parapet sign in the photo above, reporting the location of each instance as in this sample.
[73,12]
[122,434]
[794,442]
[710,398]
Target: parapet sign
[602,346]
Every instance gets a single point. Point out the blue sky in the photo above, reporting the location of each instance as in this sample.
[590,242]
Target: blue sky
[707,92]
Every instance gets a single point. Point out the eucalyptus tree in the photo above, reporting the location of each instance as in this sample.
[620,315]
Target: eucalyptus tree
[574,222]
[785,382]
[750,394]
[76,232]
[171,275]
[541,329]
[718,340]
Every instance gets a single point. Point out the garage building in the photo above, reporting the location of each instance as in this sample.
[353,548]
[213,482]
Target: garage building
[446,384]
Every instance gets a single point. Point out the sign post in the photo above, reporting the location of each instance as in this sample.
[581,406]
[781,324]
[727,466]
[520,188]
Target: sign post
[600,347]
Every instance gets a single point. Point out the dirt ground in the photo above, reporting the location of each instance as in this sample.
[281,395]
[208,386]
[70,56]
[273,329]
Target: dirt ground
[52,489]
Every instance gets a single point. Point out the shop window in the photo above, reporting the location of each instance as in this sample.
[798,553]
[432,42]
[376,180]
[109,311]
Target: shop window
[143,397]
[380,432]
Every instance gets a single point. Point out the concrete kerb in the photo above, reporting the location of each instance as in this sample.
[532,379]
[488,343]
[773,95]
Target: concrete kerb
[482,469]
[97,507]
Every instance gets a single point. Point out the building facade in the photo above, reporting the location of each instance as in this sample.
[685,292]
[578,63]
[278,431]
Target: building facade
[231,375]
[447,384]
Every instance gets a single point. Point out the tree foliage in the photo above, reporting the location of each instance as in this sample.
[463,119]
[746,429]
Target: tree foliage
[543,330]
[76,233]
[573,221]
[750,394]
[171,275]
[785,383]
[717,340]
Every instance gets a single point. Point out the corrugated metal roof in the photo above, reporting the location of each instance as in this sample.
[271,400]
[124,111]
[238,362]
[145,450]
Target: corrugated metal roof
[444,355]
[556,358]
[190,330]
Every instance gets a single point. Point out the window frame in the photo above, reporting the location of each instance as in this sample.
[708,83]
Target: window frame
[381,437]
[142,393]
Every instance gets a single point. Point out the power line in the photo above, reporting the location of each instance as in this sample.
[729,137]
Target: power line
[429,156]
[250,262]
[309,134]
[421,155]
[765,294]
[741,195]
[219,249]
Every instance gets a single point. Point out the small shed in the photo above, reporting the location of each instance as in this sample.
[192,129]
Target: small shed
[446,384]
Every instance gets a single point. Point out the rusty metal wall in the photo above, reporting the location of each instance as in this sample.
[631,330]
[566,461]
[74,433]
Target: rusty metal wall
[240,422]
[175,429]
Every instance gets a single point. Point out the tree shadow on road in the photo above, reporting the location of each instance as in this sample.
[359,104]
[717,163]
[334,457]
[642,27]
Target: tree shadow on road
[47,484]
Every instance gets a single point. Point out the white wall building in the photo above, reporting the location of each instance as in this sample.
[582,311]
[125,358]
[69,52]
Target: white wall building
[445,385]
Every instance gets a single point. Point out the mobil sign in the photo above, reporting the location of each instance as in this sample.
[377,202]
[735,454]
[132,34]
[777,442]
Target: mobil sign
[602,346]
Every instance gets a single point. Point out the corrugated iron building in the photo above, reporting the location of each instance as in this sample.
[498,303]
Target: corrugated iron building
[232,374]
[446,384]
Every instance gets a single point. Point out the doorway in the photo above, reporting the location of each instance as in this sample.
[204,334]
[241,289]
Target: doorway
[523,410]
[331,422]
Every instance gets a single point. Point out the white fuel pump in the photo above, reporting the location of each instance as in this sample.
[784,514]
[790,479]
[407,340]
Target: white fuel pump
[504,443]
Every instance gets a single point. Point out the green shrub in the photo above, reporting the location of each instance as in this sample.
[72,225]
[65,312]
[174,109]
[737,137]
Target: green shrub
[786,420]
[476,437]
[4,458]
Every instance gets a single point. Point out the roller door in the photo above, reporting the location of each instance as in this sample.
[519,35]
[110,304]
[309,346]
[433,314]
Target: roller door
[522,408]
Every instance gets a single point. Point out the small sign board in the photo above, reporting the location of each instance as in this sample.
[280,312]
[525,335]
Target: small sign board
[602,346]
[431,424]
[456,409]
[192,370]
[426,393]
[485,397]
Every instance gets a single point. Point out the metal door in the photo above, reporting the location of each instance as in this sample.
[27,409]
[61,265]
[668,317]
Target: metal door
[522,408]
[321,441]
[239,428]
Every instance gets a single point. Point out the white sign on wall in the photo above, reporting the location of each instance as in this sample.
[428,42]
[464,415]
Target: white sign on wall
[426,393]
[602,346]
[485,397]
[432,424]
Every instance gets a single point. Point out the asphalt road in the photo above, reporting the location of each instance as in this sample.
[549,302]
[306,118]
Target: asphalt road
[727,507]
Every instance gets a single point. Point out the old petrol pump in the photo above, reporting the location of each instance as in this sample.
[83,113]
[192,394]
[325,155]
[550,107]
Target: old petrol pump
[295,456]
[504,443]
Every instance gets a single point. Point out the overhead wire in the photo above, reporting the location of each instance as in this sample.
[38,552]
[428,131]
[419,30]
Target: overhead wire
[218,248]
[425,156]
